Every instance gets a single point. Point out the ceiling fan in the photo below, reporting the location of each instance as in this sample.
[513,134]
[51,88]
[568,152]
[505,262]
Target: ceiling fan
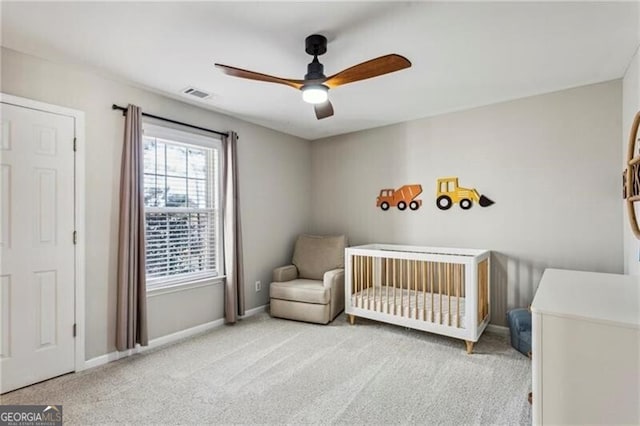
[316,85]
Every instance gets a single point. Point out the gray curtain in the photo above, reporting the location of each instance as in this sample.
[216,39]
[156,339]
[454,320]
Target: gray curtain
[232,232]
[131,327]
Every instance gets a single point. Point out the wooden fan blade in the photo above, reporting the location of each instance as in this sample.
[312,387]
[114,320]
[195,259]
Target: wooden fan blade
[373,68]
[239,72]
[323,110]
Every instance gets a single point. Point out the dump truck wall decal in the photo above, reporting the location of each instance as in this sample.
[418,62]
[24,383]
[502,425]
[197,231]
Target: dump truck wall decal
[403,197]
[448,193]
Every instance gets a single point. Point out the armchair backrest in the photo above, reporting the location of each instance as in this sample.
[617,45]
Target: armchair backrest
[314,255]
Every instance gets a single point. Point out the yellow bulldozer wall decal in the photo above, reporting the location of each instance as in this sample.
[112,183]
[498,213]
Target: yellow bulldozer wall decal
[448,193]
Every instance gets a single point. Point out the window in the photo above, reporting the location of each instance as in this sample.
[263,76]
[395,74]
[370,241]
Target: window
[181,198]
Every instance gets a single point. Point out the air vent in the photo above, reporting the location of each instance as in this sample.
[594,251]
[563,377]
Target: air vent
[197,93]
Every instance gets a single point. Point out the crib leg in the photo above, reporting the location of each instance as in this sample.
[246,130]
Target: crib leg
[352,319]
[469,346]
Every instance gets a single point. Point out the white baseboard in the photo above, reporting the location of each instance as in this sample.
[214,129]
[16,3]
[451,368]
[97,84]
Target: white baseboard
[163,340]
[254,311]
[498,329]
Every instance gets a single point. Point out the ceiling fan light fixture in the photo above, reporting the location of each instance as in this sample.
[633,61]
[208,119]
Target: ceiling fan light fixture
[315,93]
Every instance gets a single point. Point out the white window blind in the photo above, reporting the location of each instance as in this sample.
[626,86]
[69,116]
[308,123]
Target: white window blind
[181,197]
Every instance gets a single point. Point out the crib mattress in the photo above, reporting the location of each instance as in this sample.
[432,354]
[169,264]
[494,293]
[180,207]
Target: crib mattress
[418,305]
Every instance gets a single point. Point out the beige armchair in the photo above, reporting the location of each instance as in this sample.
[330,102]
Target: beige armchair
[312,288]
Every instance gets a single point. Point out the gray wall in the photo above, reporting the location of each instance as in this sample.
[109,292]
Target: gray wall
[274,192]
[630,106]
[551,163]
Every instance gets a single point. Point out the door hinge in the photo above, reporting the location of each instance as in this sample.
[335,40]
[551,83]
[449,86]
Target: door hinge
[75,146]
[75,330]
[75,237]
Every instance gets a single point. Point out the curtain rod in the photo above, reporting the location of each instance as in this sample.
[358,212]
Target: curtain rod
[124,112]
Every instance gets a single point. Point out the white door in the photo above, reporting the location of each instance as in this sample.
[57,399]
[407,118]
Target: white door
[37,281]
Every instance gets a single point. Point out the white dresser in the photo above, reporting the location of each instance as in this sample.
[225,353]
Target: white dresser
[586,348]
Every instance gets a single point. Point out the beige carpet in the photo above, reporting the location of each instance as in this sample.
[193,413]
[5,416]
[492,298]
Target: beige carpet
[270,371]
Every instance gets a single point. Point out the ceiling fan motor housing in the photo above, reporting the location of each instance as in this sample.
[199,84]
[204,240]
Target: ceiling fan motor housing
[316,45]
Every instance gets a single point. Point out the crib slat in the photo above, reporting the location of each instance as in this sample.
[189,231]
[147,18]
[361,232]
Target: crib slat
[413,280]
[361,281]
[415,283]
[401,284]
[354,277]
[370,289]
[356,273]
[365,272]
[431,279]
[440,291]
[394,286]
[373,284]
[408,282]
[409,286]
[461,294]
[365,289]
[360,272]
[449,278]
[357,279]
[424,292]
[403,281]
[454,284]
[364,283]
[458,280]
[368,280]
[386,261]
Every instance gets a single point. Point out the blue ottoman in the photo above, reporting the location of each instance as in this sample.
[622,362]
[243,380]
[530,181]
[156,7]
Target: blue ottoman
[519,321]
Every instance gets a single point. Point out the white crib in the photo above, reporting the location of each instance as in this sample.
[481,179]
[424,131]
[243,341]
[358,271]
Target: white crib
[439,290]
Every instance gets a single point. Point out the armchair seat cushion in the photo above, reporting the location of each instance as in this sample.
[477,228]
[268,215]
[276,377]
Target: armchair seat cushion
[301,290]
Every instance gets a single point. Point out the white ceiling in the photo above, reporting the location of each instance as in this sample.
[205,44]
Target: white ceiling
[464,54]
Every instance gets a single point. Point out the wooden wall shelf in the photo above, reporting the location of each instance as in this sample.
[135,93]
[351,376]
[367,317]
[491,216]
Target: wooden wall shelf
[632,175]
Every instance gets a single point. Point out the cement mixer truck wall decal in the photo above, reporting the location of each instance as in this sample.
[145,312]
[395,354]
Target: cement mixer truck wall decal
[448,192]
[400,198]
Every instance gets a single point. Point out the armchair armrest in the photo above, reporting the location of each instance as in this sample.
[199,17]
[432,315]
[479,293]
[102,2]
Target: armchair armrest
[285,273]
[334,280]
